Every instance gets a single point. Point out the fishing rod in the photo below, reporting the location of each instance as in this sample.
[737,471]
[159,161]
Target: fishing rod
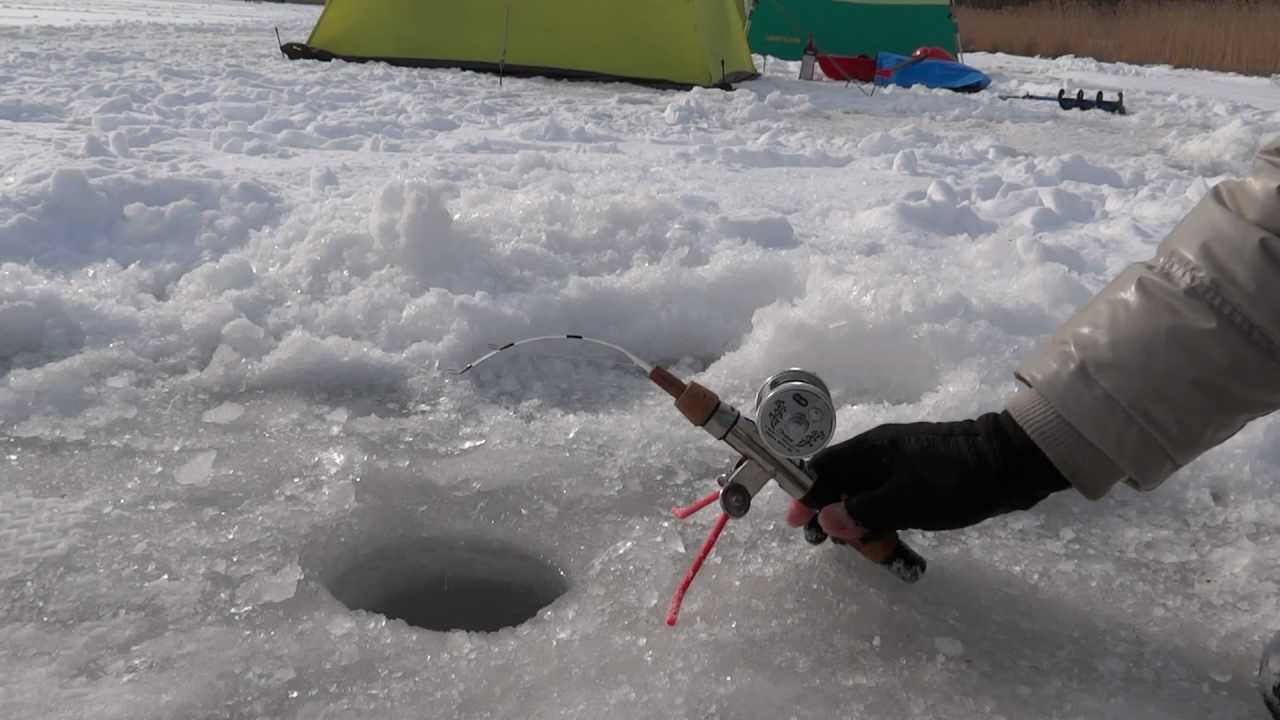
[795,418]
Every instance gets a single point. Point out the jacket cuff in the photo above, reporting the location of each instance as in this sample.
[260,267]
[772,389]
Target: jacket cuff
[1086,467]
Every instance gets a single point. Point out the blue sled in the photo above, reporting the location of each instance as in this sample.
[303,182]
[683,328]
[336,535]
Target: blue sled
[906,71]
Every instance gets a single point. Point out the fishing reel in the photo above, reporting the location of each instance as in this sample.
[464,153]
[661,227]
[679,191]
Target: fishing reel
[795,414]
[795,418]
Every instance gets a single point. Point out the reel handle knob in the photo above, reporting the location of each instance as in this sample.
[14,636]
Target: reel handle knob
[735,500]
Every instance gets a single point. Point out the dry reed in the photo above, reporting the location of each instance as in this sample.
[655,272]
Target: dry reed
[1228,35]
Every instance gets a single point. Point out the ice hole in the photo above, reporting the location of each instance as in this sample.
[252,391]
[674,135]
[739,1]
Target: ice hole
[450,584]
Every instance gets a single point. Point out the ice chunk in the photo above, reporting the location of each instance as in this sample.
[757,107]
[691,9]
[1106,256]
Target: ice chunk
[270,586]
[905,162]
[224,414]
[198,470]
[765,231]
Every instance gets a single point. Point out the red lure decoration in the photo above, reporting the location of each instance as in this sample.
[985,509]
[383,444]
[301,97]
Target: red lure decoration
[677,599]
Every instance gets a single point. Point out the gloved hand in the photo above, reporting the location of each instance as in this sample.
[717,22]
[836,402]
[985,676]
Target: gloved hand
[926,476]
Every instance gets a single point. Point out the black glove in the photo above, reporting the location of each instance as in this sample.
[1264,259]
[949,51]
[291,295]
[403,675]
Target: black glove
[934,476]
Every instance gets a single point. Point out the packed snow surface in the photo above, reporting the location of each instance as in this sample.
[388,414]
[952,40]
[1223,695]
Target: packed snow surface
[232,286]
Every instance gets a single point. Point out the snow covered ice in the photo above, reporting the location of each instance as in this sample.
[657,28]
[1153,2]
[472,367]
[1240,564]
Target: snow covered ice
[231,289]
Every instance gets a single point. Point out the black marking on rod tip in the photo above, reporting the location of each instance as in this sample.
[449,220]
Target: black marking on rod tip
[508,346]
[574,337]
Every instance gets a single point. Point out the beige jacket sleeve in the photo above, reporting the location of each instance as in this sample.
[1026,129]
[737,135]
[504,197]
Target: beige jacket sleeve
[1175,356]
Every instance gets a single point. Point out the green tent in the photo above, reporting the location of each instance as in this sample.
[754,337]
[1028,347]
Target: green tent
[782,28]
[666,42]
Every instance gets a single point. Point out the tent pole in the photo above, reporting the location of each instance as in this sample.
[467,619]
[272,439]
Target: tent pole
[506,35]
[954,21]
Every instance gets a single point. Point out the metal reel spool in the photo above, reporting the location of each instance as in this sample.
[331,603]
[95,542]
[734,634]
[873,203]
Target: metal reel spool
[795,414]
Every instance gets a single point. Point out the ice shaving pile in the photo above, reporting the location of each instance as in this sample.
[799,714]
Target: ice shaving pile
[232,287]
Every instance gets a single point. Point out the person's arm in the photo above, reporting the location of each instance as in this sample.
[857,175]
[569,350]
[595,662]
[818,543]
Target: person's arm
[1172,358]
[1175,356]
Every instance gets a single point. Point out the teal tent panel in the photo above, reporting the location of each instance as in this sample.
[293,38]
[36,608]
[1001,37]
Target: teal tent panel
[782,28]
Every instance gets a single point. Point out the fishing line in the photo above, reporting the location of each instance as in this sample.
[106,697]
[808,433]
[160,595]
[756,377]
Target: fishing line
[636,360]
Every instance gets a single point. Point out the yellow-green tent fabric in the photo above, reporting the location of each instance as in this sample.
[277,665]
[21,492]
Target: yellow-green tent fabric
[676,42]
